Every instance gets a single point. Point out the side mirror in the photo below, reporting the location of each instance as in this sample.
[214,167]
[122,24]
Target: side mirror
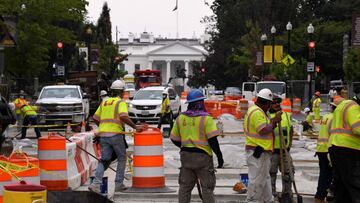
[172,97]
[35,97]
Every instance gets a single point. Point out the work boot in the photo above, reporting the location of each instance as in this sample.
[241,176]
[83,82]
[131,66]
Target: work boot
[120,187]
[319,200]
[95,187]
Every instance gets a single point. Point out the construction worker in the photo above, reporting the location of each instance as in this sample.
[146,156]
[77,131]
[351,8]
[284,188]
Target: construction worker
[110,117]
[19,102]
[325,177]
[308,123]
[259,130]
[316,107]
[195,132]
[30,117]
[345,151]
[103,95]
[165,112]
[287,132]
[332,94]
[356,97]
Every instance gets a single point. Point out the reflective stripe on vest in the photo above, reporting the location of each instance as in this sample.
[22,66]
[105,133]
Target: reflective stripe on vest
[253,138]
[341,133]
[110,123]
[192,131]
[323,138]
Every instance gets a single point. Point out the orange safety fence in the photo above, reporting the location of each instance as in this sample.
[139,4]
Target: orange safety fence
[217,108]
[232,98]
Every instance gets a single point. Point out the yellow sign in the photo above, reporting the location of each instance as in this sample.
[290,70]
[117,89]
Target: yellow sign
[288,60]
[278,53]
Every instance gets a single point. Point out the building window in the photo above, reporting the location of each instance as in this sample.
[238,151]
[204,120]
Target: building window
[158,66]
[137,66]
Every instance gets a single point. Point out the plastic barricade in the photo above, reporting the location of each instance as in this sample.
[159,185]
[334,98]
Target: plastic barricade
[53,158]
[81,158]
[296,106]
[244,105]
[73,176]
[90,148]
[148,162]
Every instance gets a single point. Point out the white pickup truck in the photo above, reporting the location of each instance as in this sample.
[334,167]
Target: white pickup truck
[62,104]
[250,89]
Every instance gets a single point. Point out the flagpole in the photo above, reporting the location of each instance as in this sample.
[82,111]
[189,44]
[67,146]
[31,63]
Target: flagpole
[177,23]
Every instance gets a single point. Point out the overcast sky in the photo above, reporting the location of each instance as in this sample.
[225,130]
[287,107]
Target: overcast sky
[154,16]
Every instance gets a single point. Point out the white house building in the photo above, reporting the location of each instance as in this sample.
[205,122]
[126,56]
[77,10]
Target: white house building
[166,55]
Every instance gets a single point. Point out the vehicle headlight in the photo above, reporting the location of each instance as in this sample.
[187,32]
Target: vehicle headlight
[78,118]
[158,106]
[131,105]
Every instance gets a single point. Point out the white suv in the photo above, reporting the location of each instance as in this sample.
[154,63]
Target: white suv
[146,104]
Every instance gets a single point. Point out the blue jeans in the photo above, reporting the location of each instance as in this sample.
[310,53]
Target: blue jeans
[115,143]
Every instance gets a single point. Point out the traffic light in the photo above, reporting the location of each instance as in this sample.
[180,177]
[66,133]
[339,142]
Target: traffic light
[317,69]
[59,51]
[311,51]
[202,70]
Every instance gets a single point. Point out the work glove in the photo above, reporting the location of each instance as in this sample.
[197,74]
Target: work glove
[220,162]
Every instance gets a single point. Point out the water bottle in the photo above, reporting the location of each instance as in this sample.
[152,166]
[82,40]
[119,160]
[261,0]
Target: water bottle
[104,185]
[244,178]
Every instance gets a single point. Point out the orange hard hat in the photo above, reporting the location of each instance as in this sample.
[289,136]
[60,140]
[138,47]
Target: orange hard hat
[317,93]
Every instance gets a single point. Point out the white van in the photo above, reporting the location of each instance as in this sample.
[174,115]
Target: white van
[250,89]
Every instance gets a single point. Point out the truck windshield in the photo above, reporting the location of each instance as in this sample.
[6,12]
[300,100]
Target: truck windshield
[60,93]
[148,95]
[276,88]
[150,79]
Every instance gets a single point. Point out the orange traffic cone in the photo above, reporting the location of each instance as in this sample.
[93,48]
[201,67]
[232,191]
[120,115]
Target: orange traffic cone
[83,129]
[68,130]
[219,106]
[215,107]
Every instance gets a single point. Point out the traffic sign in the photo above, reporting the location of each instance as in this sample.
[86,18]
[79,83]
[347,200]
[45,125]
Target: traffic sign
[310,67]
[60,70]
[288,60]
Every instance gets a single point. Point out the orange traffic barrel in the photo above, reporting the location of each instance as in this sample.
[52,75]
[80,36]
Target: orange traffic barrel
[52,157]
[286,105]
[148,162]
[184,95]
[32,173]
[244,105]
[5,179]
[296,105]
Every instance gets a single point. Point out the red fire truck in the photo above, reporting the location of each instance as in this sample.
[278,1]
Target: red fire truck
[145,78]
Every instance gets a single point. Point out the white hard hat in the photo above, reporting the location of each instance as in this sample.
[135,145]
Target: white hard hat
[265,94]
[117,85]
[165,92]
[306,110]
[103,93]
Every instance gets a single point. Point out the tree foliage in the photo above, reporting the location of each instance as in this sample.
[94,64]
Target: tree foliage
[41,23]
[352,65]
[237,25]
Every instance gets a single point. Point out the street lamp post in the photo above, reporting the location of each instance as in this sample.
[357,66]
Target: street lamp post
[288,28]
[263,39]
[310,30]
[273,31]
[89,33]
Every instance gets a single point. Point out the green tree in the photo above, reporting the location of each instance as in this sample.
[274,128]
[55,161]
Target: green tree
[352,65]
[41,24]
[104,27]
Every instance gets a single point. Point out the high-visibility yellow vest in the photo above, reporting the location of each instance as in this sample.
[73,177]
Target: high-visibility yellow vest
[19,102]
[285,125]
[316,103]
[309,119]
[164,104]
[195,131]
[323,138]
[27,110]
[255,119]
[108,114]
[345,127]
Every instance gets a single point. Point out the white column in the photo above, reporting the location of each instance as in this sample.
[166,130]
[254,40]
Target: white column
[150,65]
[168,65]
[186,87]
